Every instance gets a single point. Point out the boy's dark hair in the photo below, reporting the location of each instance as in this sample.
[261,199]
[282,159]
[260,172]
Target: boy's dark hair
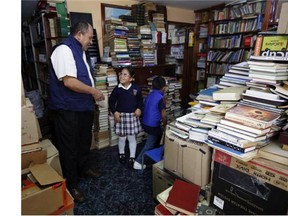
[158,83]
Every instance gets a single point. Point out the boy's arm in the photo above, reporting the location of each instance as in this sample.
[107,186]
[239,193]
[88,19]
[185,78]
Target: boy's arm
[164,116]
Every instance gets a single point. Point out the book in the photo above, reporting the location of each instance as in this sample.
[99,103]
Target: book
[271,45]
[184,197]
[31,148]
[229,93]
[237,154]
[222,108]
[268,101]
[273,151]
[161,210]
[229,145]
[252,117]
[241,126]
[242,143]
[240,134]
[162,198]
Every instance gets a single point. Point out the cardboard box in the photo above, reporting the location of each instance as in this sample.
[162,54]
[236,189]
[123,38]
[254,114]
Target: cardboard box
[30,129]
[37,157]
[187,159]
[234,192]
[161,179]
[268,171]
[67,209]
[46,198]
[52,155]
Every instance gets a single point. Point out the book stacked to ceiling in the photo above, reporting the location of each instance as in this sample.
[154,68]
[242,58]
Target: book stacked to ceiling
[147,45]
[134,48]
[116,40]
[179,199]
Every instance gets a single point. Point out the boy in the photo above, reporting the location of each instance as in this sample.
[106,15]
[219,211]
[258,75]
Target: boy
[153,114]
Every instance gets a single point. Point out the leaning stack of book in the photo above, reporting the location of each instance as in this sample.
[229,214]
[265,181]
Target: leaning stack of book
[242,130]
[180,198]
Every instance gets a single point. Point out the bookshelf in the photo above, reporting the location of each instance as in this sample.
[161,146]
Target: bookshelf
[46,30]
[181,52]
[202,18]
[28,69]
[232,32]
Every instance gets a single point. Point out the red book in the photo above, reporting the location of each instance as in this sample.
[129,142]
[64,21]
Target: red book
[161,210]
[184,197]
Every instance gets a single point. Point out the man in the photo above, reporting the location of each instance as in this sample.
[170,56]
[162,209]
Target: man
[72,97]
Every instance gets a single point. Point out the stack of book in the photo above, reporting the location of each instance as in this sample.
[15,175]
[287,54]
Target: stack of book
[237,75]
[180,198]
[205,97]
[268,70]
[147,46]
[134,48]
[242,129]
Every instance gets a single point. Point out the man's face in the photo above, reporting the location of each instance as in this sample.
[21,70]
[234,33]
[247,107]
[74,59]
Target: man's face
[86,39]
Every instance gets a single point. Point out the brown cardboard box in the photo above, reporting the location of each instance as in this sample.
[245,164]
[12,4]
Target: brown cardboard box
[187,159]
[46,198]
[268,171]
[67,209]
[37,157]
[52,155]
[30,129]
[23,100]
[161,179]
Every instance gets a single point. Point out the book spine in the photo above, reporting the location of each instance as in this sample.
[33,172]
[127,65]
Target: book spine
[258,45]
[229,145]
[246,121]
[226,138]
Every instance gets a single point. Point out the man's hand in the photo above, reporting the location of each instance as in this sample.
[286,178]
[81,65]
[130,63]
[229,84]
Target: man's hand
[98,95]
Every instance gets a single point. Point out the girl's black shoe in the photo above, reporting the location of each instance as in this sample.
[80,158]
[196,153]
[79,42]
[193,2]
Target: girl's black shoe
[122,158]
[131,162]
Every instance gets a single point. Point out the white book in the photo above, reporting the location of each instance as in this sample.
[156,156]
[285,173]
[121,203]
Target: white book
[262,94]
[244,127]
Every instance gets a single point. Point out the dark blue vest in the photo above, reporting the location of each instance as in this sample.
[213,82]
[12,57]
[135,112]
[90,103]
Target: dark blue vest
[152,115]
[61,97]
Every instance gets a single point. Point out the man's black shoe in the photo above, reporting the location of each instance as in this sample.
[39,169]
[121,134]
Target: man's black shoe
[91,173]
[77,195]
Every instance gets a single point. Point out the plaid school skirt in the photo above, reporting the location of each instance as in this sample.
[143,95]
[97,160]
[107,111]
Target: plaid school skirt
[129,125]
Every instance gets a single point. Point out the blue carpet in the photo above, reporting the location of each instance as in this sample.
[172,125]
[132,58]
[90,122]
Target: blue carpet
[120,190]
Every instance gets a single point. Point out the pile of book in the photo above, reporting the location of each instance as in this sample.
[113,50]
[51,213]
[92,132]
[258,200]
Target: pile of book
[180,198]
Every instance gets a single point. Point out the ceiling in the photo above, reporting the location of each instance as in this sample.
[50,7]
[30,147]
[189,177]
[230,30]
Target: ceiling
[28,6]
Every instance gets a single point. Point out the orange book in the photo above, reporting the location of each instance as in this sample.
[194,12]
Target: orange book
[184,197]
[258,45]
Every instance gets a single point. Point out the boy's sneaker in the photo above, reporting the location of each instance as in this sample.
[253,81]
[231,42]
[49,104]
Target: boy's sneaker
[131,162]
[138,166]
[122,158]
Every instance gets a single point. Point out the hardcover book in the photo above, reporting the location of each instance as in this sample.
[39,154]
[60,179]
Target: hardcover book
[274,152]
[251,116]
[162,198]
[230,93]
[184,197]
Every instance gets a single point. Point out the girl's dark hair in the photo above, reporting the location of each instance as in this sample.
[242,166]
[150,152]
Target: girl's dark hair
[158,83]
[83,27]
[130,71]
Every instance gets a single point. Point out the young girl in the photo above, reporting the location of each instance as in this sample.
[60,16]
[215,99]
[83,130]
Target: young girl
[125,102]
